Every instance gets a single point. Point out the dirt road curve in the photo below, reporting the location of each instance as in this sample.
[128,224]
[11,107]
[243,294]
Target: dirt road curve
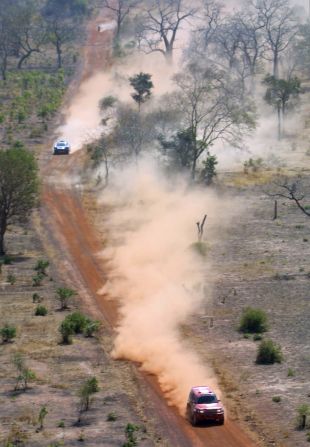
[75,245]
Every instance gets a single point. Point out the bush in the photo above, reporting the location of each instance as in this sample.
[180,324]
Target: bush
[11,279]
[8,333]
[36,298]
[111,417]
[276,399]
[78,322]
[41,267]
[91,328]
[257,337]
[253,321]
[268,353]
[290,372]
[37,280]
[86,391]
[107,102]
[303,413]
[66,329]
[41,311]
[64,294]
[7,260]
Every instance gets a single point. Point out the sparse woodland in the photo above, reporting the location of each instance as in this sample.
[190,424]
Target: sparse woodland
[58,384]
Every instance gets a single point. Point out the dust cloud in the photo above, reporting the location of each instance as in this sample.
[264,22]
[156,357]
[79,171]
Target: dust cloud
[156,275]
[83,118]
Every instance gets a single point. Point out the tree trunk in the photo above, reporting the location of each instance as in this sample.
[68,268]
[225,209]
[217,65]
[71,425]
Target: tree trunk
[2,251]
[276,65]
[279,122]
[275,214]
[59,52]
[25,57]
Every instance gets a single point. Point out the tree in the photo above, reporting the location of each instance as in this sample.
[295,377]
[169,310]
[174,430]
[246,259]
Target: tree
[120,9]
[211,108]
[5,42]
[63,19]
[19,187]
[133,131]
[24,373]
[209,169]
[291,190]
[142,85]
[64,294]
[280,25]
[89,388]
[279,93]
[28,29]
[161,24]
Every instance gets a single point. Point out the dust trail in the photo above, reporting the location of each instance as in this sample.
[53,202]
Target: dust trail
[156,276]
[83,119]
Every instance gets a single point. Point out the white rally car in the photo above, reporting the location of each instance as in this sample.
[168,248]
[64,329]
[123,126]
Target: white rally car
[61,147]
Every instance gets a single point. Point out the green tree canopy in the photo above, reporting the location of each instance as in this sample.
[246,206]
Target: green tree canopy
[19,187]
[142,85]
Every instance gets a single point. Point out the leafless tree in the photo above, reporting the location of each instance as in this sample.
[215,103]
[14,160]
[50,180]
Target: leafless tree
[162,21]
[29,30]
[211,16]
[292,190]
[211,108]
[250,35]
[120,9]
[280,25]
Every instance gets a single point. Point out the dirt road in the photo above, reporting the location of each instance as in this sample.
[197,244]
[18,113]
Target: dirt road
[76,245]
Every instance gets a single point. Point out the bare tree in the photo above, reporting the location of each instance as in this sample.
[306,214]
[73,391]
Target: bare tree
[280,26]
[291,190]
[211,108]
[161,24]
[250,35]
[29,30]
[120,9]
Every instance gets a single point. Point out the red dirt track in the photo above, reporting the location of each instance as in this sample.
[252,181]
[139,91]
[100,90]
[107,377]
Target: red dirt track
[76,244]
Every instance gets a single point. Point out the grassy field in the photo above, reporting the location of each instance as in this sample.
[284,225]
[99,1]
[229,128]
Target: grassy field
[60,370]
[261,263]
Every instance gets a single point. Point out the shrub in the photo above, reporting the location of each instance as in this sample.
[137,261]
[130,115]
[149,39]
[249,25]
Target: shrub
[111,417]
[36,298]
[24,373]
[41,311]
[37,280]
[41,267]
[253,321]
[130,435]
[276,399]
[303,412]
[86,391]
[78,321]
[7,260]
[61,424]
[290,372]
[91,328]
[268,353]
[66,329]
[11,279]
[107,102]
[8,333]
[64,294]
[257,337]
